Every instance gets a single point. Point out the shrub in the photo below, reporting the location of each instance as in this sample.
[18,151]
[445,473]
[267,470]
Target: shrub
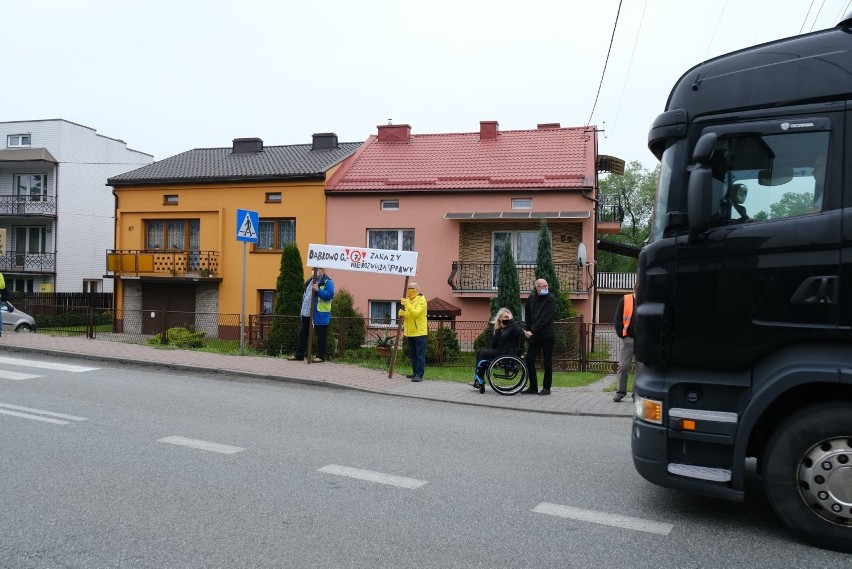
[180,338]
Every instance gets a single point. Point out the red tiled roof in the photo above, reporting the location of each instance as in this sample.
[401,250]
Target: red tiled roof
[545,158]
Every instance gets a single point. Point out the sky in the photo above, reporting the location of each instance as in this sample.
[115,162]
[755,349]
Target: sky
[167,76]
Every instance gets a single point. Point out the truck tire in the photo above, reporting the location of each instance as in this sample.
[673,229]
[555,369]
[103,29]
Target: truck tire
[807,474]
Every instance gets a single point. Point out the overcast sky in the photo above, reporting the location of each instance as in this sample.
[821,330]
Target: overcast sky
[167,76]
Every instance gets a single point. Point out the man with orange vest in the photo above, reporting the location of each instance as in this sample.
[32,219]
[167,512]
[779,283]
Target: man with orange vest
[624,328]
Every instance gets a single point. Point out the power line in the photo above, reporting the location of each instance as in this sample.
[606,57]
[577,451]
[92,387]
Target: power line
[806,16]
[603,74]
[821,6]
[716,29]
[843,11]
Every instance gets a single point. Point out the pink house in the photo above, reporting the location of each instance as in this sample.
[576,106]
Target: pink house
[458,199]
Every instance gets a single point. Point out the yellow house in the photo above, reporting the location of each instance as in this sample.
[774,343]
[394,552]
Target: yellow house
[176,248]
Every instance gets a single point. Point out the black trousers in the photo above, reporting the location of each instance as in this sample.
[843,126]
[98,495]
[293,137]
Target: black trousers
[543,346]
[322,339]
[486,354]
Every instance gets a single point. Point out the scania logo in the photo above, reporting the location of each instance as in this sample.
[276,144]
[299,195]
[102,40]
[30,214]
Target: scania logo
[785,125]
[789,125]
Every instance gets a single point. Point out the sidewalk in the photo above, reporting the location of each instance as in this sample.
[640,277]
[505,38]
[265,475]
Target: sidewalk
[590,400]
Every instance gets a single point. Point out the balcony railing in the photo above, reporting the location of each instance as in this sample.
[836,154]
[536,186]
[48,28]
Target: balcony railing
[483,277]
[13,204]
[610,211]
[615,281]
[12,261]
[163,262]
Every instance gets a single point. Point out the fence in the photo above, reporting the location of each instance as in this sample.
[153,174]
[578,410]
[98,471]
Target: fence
[578,346]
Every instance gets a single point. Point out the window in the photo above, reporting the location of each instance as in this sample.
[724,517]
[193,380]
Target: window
[524,246]
[390,205]
[267,301]
[522,203]
[273,197]
[393,239]
[31,186]
[92,285]
[21,285]
[170,199]
[180,234]
[383,313]
[18,141]
[274,234]
[759,177]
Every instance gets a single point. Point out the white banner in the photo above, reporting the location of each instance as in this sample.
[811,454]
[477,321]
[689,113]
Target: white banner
[384,261]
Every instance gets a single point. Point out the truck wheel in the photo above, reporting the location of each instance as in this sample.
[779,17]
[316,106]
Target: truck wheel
[808,474]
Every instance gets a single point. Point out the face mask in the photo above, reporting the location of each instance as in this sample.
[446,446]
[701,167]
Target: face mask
[507,322]
[543,292]
[411,294]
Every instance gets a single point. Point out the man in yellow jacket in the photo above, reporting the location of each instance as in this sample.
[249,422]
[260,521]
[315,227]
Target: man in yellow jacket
[413,314]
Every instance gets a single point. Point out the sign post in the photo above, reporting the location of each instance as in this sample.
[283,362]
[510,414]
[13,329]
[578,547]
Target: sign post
[247,222]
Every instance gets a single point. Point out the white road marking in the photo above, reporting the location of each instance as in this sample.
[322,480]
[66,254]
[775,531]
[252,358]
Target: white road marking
[371,476]
[16,376]
[603,518]
[202,445]
[46,365]
[30,410]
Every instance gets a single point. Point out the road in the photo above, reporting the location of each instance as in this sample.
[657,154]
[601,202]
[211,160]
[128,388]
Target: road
[119,466]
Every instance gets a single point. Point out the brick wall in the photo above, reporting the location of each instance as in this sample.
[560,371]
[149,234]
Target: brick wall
[475,239]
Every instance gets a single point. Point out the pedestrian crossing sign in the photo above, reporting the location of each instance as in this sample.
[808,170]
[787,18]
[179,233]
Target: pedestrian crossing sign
[247,226]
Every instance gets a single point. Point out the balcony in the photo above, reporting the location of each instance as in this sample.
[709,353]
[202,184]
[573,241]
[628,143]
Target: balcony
[610,215]
[483,277]
[174,263]
[13,204]
[14,262]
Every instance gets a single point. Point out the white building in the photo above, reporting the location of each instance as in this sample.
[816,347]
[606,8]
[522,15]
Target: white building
[55,208]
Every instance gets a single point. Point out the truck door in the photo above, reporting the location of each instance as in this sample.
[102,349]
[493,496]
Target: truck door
[767,271]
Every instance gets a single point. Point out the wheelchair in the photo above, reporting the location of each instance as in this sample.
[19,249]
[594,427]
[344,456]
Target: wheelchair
[507,375]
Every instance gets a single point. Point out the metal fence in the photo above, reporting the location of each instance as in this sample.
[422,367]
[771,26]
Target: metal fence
[578,346]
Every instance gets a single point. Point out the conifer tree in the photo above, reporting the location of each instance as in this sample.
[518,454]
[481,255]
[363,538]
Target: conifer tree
[289,289]
[508,286]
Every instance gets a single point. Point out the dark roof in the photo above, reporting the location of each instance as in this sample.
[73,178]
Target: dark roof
[296,161]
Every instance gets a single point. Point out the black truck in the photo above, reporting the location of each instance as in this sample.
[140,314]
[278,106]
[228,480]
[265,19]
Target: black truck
[744,313]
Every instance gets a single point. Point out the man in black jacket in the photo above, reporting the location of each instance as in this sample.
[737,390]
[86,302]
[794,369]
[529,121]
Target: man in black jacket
[541,315]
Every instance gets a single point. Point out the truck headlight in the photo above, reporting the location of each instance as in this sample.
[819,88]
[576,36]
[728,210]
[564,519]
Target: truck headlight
[649,410]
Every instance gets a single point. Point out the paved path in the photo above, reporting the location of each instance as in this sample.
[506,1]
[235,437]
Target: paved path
[590,400]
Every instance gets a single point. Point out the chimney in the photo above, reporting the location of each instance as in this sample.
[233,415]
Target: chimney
[487,130]
[324,141]
[394,132]
[247,145]
[548,125]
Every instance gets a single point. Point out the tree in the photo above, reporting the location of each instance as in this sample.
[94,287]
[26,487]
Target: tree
[545,269]
[508,286]
[289,290]
[355,326]
[634,193]
[790,205]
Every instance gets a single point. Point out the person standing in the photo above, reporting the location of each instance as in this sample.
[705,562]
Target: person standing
[541,333]
[413,314]
[624,328]
[506,341]
[320,288]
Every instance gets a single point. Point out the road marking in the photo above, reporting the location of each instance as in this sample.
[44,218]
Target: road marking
[371,476]
[16,376]
[29,410]
[202,445]
[46,365]
[603,518]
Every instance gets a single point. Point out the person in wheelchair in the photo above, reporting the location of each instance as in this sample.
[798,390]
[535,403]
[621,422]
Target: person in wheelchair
[507,341]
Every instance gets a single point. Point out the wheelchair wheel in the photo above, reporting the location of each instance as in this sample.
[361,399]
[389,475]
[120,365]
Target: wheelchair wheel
[507,375]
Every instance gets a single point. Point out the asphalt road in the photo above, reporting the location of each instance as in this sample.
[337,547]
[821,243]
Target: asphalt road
[133,467]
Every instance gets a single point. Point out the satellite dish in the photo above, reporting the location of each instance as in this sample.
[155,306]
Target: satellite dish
[581,255]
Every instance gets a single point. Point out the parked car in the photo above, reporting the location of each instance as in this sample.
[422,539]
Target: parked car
[16,320]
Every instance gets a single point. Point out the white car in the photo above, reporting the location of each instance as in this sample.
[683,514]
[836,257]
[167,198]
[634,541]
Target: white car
[15,320]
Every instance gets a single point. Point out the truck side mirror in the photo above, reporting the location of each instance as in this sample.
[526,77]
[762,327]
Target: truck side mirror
[700,189]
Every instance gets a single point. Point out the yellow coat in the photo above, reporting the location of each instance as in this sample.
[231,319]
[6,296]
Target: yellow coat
[413,316]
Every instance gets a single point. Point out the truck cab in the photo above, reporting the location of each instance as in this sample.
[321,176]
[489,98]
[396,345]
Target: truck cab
[744,317]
